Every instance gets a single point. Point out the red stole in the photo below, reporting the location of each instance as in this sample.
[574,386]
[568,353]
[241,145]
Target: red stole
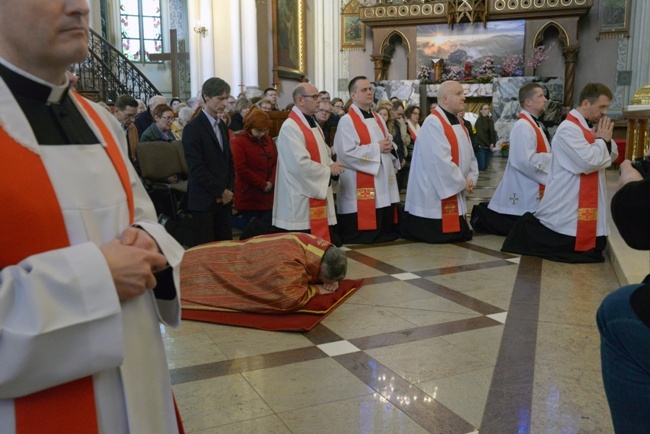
[541,146]
[70,407]
[587,200]
[318,223]
[450,216]
[366,209]
[412,133]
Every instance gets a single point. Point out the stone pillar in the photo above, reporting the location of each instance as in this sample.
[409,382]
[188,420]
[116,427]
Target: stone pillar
[249,47]
[570,57]
[381,62]
[236,78]
[327,46]
[639,48]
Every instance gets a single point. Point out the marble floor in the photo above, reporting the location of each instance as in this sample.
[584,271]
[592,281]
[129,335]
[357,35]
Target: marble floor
[441,339]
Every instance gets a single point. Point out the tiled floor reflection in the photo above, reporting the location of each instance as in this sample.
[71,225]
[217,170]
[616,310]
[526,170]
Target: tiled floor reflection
[450,339]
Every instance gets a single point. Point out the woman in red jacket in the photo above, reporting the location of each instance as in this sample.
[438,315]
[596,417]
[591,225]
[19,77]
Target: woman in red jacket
[255,158]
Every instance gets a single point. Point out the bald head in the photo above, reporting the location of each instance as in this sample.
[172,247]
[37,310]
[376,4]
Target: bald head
[451,97]
[306,98]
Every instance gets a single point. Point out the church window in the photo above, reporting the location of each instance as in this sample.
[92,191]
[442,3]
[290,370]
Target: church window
[141,29]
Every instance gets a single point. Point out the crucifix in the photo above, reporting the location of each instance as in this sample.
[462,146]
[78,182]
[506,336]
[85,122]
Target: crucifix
[514,198]
[174,57]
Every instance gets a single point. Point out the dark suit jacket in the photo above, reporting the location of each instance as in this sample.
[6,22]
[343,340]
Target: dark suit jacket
[142,121]
[211,169]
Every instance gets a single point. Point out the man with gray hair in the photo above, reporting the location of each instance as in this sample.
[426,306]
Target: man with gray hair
[145,119]
[303,199]
[443,169]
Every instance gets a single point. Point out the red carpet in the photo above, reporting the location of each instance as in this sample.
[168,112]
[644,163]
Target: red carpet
[316,310]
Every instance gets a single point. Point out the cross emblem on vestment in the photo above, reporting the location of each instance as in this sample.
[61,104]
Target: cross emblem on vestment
[513,198]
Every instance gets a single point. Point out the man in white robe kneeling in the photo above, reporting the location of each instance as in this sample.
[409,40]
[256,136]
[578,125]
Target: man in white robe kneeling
[524,180]
[443,169]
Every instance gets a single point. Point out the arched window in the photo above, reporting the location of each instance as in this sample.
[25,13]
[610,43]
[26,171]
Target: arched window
[141,29]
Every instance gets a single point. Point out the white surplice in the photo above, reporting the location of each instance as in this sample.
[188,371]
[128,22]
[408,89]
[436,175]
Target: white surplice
[298,178]
[573,156]
[433,175]
[367,159]
[518,191]
[60,317]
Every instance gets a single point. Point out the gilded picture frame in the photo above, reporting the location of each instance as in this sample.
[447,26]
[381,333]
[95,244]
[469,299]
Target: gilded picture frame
[353,32]
[289,38]
[614,18]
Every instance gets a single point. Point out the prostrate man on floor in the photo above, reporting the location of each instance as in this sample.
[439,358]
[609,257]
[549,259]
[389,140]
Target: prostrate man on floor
[570,224]
[524,180]
[303,198]
[80,342]
[443,169]
[277,273]
[368,188]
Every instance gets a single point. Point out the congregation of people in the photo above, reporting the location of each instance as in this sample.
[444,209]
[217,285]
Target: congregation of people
[337,169]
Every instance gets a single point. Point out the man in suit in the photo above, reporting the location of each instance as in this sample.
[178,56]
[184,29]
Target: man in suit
[211,168]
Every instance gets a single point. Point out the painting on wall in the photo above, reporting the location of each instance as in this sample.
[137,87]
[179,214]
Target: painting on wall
[289,38]
[614,18]
[352,32]
[470,50]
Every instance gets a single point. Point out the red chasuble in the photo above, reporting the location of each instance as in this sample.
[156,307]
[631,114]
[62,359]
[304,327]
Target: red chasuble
[587,200]
[318,222]
[450,217]
[366,214]
[541,146]
[68,408]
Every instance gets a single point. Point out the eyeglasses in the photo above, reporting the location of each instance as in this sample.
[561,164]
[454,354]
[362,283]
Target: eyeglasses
[314,97]
[167,118]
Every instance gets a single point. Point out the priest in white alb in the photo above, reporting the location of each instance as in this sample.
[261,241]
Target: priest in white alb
[524,180]
[368,193]
[303,200]
[443,169]
[570,224]
[81,349]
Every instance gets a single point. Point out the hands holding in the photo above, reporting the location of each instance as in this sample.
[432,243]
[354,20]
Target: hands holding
[469,185]
[336,168]
[133,260]
[225,197]
[269,186]
[385,146]
[604,129]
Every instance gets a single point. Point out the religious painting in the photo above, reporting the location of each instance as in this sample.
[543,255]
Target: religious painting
[289,38]
[614,18]
[471,50]
[353,32]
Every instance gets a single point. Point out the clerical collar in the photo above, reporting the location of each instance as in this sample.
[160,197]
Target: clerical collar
[29,85]
[366,114]
[535,118]
[453,119]
[310,119]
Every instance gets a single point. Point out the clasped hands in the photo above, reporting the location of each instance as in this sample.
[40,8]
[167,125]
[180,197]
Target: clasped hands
[225,197]
[385,146]
[336,168]
[469,185]
[133,259]
[604,129]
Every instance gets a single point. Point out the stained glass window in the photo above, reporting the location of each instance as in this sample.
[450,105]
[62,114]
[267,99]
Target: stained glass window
[141,29]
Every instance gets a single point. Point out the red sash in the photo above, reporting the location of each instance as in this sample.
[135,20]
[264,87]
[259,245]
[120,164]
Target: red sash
[70,407]
[541,146]
[587,201]
[318,223]
[366,208]
[450,210]
[412,133]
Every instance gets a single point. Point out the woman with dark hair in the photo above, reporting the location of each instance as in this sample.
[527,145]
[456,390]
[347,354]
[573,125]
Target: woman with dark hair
[160,130]
[242,107]
[174,104]
[255,158]
[485,137]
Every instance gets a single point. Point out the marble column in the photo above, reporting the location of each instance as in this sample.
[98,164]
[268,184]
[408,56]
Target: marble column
[639,49]
[326,48]
[249,47]
[201,46]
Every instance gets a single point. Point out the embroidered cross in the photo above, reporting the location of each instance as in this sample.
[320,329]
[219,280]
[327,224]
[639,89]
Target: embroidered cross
[514,198]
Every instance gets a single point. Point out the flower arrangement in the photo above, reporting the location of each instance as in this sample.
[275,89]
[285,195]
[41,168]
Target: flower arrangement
[505,149]
[540,54]
[425,75]
[513,66]
[452,73]
[467,71]
[487,69]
